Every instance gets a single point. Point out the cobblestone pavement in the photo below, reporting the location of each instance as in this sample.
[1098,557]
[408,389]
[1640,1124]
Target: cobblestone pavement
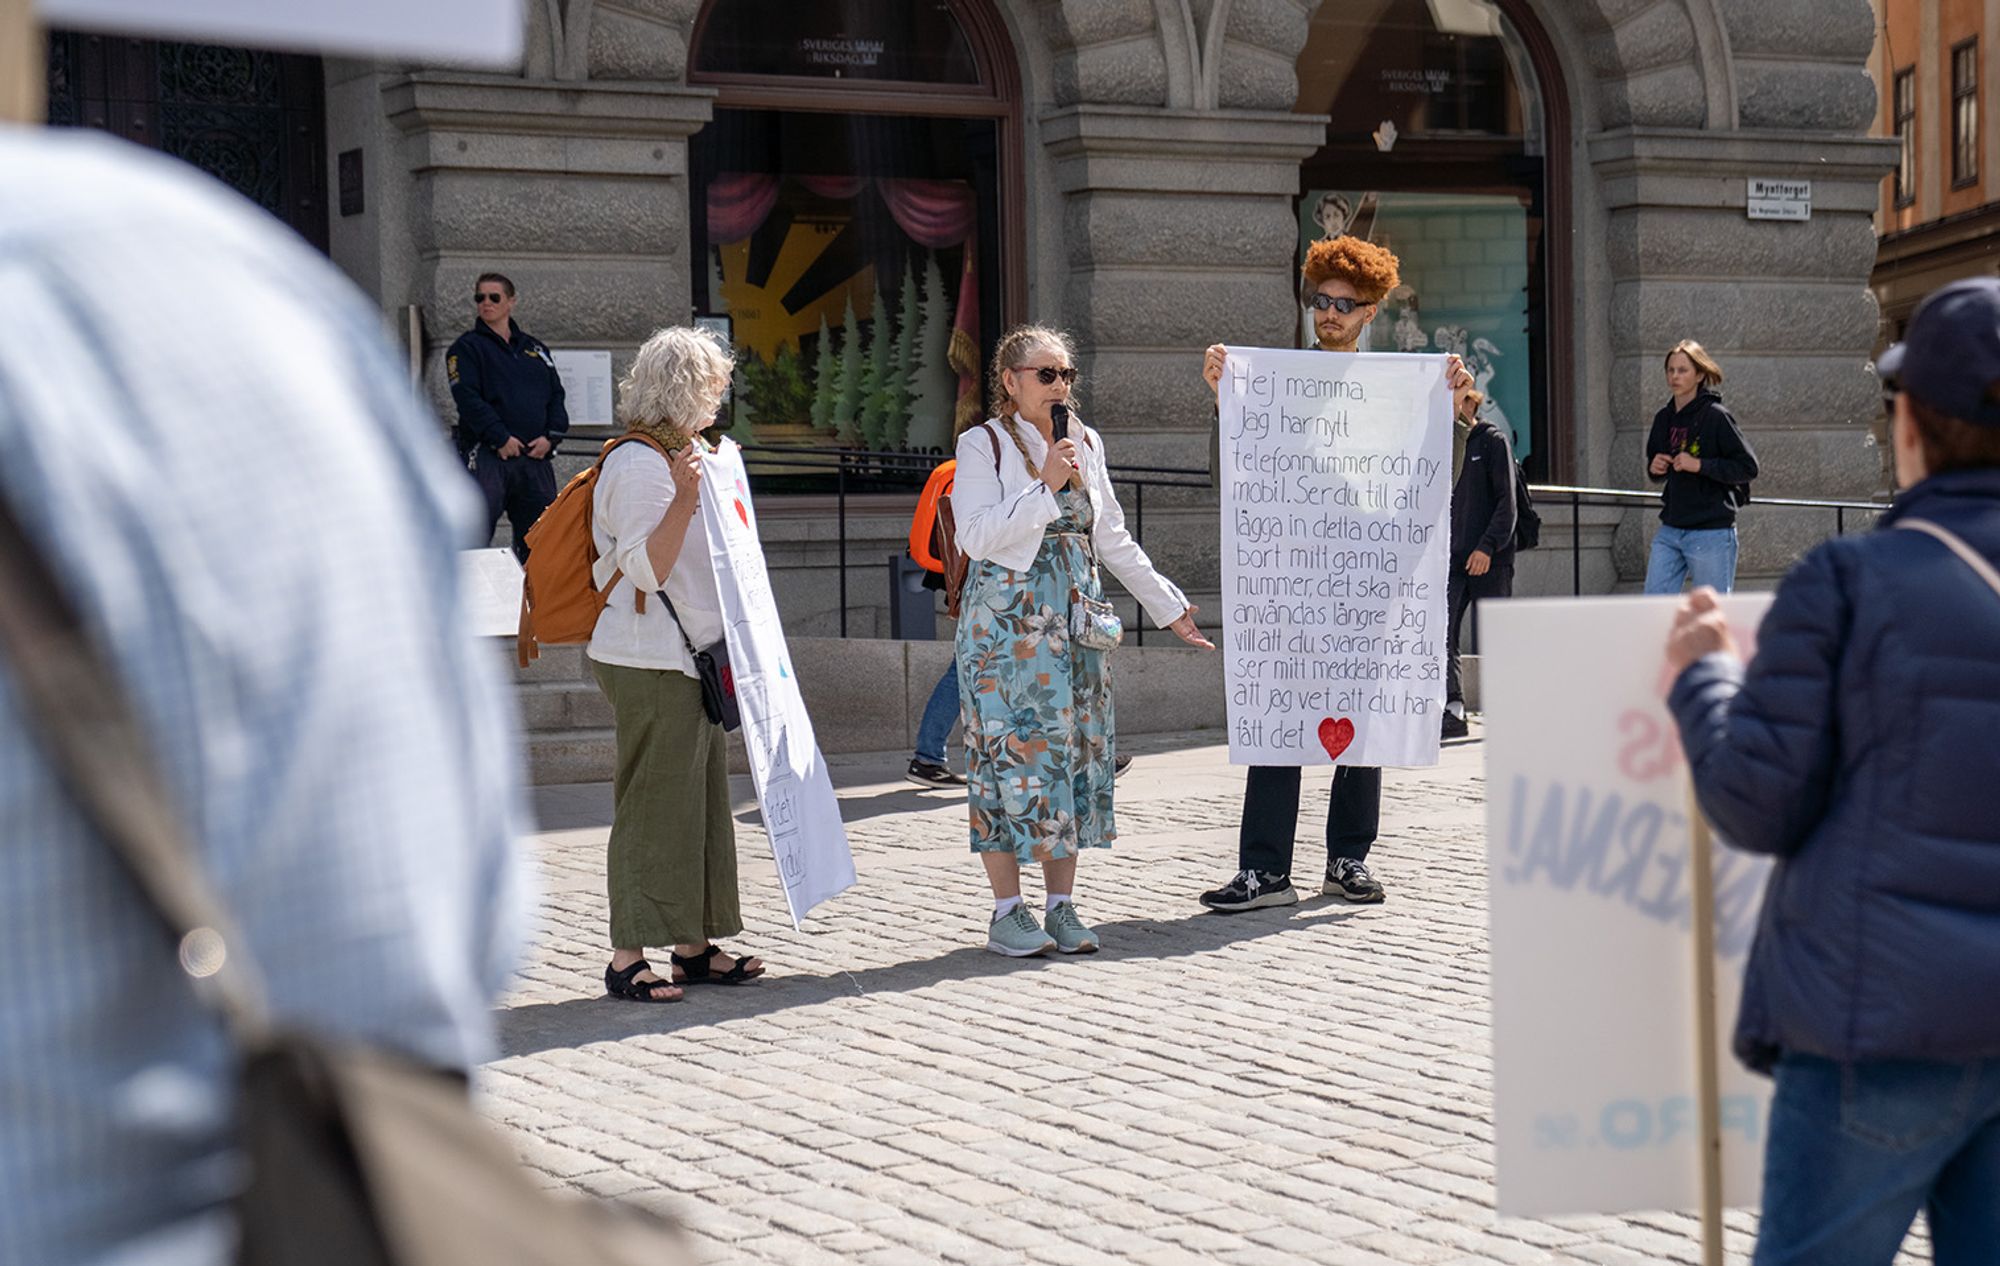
[1307,1084]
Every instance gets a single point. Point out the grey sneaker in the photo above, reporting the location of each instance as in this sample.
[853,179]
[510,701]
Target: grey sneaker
[1350,879]
[1071,936]
[1017,935]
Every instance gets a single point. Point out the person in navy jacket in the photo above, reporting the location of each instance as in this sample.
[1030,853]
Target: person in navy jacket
[1861,749]
[510,411]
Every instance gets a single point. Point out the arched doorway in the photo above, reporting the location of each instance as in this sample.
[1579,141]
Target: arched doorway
[1438,146]
[856,212]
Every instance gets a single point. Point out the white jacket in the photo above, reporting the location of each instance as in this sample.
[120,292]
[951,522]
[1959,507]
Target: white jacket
[1000,517]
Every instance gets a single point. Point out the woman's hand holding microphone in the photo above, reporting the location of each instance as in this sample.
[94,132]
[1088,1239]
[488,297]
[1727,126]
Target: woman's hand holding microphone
[1061,465]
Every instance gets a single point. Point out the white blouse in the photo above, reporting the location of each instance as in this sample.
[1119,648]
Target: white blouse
[1000,515]
[633,492]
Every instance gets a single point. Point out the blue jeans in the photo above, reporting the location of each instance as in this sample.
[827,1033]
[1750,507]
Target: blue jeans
[1707,557]
[940,714]
[1856,1149]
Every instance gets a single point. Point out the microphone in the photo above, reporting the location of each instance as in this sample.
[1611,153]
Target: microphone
[1059,419]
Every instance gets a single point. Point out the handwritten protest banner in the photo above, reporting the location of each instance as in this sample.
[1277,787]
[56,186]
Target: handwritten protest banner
[1588,845]
[801,815]
[1336,502]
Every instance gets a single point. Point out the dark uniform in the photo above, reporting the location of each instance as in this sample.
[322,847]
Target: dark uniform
[507,389]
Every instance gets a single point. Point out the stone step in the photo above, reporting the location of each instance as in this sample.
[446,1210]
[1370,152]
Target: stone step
[572,756]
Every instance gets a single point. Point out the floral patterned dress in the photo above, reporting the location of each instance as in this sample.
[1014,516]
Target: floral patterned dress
[1038,725]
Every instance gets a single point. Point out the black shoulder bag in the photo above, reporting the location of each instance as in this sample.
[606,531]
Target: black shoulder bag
[357,1156]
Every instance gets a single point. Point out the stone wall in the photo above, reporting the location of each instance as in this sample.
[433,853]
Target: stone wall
[1159,147]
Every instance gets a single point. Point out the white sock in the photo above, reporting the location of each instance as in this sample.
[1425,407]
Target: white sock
[1456,708]
[1056,899]
[1004,906]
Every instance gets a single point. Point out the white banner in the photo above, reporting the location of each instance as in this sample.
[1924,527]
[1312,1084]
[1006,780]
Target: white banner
[1588,837]
[485,32]
[1336,531]
[801,814]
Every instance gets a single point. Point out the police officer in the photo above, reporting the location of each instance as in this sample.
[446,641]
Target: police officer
[510,410]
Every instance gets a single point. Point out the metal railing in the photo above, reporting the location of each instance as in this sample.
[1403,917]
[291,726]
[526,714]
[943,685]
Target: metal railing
[1577,498]
[857,471]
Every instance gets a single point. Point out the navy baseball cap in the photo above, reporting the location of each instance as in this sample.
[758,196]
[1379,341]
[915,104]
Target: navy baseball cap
[1950,355]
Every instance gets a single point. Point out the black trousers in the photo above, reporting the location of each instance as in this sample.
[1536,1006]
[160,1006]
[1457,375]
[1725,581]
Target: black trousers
[1461,591]
[1271,816]
[519,487]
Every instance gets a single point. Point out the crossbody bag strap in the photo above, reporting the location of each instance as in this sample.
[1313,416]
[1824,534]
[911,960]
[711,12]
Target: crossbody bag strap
[85,724]
[1956,544]
[676,617]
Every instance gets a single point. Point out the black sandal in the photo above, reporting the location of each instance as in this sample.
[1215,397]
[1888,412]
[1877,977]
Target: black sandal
[626,984]
[697,971]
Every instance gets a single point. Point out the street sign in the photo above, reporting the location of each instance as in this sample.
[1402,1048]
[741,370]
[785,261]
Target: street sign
[1778,199]
[469,32]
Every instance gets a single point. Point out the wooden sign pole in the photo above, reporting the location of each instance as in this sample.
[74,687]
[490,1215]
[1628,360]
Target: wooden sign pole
[24,64]
[1708,1076]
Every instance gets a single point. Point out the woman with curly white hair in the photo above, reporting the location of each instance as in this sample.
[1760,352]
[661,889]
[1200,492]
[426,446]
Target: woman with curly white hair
[1035,513]
[672,864]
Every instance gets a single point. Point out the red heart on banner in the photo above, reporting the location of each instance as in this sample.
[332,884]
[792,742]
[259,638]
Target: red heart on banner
[1335,734]
[742,514]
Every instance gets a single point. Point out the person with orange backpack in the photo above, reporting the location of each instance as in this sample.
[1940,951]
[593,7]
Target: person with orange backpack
[643,564]
[934,547]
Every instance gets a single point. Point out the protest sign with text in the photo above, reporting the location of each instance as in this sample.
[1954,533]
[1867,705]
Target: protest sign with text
[1336,531]
[1589,850]
[484,32]
[801,815]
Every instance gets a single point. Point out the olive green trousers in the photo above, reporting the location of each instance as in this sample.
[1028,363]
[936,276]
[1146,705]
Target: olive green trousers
[671,872]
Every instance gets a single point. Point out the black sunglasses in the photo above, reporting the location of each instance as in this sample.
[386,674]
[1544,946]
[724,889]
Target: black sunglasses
[1047,375]
[1342,305]
[494,297]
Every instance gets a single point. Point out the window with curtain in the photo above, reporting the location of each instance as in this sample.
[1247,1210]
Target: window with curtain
[1965,113]
[852,258]
[1905,92]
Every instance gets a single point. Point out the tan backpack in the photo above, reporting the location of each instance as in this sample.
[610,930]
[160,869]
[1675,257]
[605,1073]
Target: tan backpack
[559,601]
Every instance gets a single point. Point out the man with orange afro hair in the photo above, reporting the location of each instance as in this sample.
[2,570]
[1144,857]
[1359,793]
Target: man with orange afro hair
[1342,282]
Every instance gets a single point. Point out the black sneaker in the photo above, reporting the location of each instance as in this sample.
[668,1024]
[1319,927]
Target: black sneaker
[1454,727]
[1251,890]
[925,774]
[1350,879]
[1120,765]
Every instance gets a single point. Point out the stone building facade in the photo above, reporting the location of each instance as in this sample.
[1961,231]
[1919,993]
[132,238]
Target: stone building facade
[1140,173]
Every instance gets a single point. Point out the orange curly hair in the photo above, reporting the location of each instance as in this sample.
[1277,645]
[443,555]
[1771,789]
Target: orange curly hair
[1369,268]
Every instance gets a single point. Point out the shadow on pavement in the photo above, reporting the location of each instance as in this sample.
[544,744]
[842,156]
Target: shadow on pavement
[542,1026]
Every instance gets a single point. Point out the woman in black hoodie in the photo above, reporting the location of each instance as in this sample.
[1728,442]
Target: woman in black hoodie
[1699,451]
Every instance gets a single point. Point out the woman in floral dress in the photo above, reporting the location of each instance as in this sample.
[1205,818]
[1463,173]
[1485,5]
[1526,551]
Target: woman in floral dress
[1036,516]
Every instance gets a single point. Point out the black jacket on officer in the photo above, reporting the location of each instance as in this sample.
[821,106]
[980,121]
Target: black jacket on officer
[505,388]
